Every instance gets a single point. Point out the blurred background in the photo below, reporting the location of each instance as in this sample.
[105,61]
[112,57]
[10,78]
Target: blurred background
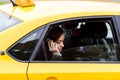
[7,1]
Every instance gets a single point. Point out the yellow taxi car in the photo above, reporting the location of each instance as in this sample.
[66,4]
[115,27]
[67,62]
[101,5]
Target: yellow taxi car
[91,46]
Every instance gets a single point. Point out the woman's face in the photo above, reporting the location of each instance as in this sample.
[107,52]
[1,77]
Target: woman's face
[59,42]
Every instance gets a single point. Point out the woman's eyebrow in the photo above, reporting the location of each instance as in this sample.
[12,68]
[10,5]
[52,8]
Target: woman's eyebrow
[60,40]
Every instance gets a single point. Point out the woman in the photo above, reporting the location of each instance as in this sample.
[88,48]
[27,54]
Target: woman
[55,43]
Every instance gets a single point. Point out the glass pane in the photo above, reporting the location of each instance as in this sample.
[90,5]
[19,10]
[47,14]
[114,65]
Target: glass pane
[23,49]
[6,21]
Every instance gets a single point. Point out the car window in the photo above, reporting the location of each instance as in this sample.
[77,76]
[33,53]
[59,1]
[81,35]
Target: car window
[92,41]
[6,21]
[23,49]
[85,40]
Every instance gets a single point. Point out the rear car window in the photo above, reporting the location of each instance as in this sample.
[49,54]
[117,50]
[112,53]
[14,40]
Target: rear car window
[7,21]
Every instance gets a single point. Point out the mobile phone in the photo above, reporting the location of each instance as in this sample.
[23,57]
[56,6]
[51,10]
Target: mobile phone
[49,39]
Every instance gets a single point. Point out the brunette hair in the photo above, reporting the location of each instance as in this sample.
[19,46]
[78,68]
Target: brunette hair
[55,33]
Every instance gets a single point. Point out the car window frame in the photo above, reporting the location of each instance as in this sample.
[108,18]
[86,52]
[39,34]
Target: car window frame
[22,38]
[103,18]
[39,43]
[116,22]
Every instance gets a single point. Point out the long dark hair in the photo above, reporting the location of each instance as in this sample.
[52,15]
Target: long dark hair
[55,33]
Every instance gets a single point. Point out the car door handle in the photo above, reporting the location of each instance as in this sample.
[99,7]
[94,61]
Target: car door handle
[51,78]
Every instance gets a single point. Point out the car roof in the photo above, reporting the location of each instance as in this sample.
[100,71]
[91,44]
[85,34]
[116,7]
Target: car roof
[43,9]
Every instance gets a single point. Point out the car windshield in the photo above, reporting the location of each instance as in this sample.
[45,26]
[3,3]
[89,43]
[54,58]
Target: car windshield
[6,21]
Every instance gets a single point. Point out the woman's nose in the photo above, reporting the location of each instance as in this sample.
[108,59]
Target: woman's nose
[62,44]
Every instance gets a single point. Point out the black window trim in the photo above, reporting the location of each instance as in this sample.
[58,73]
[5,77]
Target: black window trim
[38,44]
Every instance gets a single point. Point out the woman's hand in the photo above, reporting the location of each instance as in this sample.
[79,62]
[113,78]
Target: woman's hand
[53,47]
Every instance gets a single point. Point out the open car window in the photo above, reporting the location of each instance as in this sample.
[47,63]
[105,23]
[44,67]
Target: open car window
[85,40]
[91,41]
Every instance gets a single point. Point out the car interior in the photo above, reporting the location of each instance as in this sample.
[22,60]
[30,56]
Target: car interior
[89,42]
[85,41]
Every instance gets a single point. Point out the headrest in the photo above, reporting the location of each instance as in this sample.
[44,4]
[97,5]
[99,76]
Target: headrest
[70,25]
[94,30]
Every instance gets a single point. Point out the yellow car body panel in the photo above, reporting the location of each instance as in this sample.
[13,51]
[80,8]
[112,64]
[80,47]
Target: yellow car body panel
[39,15]
[10,68]
[77,71]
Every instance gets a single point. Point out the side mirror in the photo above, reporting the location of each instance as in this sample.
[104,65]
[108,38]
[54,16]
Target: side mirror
[2,53]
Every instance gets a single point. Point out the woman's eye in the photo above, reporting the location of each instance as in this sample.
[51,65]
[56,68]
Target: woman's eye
[58,42]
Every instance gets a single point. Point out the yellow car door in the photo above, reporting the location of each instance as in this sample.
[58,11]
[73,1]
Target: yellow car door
[93,55]
[71,71]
